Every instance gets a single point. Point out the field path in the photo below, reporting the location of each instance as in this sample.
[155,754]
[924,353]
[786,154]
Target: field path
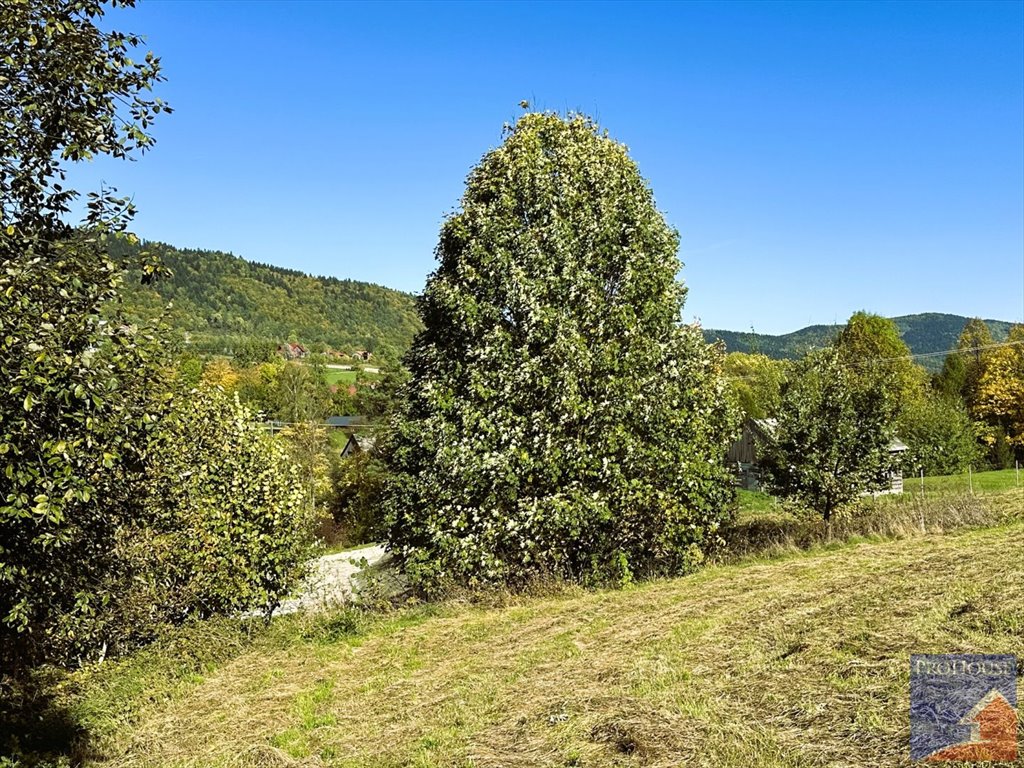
[335,578]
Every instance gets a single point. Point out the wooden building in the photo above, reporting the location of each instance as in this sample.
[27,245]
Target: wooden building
[358,444]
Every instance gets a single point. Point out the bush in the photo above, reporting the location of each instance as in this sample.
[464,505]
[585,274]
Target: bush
[79,399]
[229,528]
[356,506]
[830,442]
[940,437]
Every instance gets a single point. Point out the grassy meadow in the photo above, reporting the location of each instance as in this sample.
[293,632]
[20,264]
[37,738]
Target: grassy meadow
[980,482]
[795,658]
[337,376]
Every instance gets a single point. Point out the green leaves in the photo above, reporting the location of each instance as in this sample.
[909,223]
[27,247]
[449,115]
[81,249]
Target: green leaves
[231,530]
[76,387]
[559,420]
[830,442]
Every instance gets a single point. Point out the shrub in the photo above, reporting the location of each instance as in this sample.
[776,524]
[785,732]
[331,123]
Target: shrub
[356,505]
[940,436]
[79,399]
[230,527]
[832,435]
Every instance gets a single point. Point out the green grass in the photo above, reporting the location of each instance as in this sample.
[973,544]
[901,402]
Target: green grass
[757,503]
[982,482]
[797,662]
[334,376]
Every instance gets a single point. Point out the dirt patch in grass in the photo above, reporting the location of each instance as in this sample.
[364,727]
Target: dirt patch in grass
[798,662]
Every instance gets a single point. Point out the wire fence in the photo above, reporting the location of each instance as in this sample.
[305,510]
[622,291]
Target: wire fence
[971,482]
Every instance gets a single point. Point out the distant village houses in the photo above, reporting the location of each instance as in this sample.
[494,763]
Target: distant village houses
[291,351]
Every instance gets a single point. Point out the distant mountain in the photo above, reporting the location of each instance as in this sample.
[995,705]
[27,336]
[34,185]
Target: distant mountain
[927,333]
[219,299]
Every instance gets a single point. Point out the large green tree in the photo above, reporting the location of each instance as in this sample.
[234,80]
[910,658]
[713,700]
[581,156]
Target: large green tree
[962,370]
[755,381]
[1000,396]
[76,391]
[560,420]
[871,346]
[940,435]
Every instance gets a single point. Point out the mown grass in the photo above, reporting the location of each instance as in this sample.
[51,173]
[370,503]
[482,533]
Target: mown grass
[800,661]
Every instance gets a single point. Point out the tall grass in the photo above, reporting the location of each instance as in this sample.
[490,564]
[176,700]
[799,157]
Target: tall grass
[764,529]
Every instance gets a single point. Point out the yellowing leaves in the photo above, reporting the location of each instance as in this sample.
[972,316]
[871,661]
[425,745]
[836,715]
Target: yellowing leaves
[1000,397]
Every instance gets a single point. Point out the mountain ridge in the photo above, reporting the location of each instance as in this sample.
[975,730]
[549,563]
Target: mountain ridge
[220,298]
[925,333]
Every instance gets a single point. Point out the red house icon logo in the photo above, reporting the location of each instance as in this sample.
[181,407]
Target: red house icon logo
[993,724]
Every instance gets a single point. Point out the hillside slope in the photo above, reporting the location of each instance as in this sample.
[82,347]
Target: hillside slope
[798,663]
[219,298]
[924,333]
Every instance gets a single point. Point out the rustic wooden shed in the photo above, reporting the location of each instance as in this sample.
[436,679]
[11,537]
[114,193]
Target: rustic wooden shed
[743,453]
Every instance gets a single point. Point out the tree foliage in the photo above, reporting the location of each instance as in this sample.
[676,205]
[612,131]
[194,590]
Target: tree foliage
[940,436]
[229,306]
[76,408]
[559,420]
[358,482]
[69,91]
[228,526]
[963,369]
[999,397]
[832,434]
[755,381]
[78,397]
[871,346]
[987,379]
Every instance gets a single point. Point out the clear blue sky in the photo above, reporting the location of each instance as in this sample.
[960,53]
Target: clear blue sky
[816,158]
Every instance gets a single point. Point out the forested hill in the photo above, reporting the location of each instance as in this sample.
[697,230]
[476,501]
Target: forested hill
[219,299]
[924,333]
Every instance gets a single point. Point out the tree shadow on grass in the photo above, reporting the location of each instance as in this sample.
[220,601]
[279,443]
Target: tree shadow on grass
[36,731]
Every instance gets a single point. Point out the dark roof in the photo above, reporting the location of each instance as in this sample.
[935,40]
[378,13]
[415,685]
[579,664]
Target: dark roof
[343,421]
[358,444]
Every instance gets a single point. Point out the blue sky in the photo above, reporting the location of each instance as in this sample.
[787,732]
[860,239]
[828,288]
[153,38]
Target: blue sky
[816,158]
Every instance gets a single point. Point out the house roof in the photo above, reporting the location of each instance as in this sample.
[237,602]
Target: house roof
[359,443]
[767,428]
[994,696]
[343,421]
[365,442]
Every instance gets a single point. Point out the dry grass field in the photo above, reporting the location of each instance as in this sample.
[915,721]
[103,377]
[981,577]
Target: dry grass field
[797,661]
